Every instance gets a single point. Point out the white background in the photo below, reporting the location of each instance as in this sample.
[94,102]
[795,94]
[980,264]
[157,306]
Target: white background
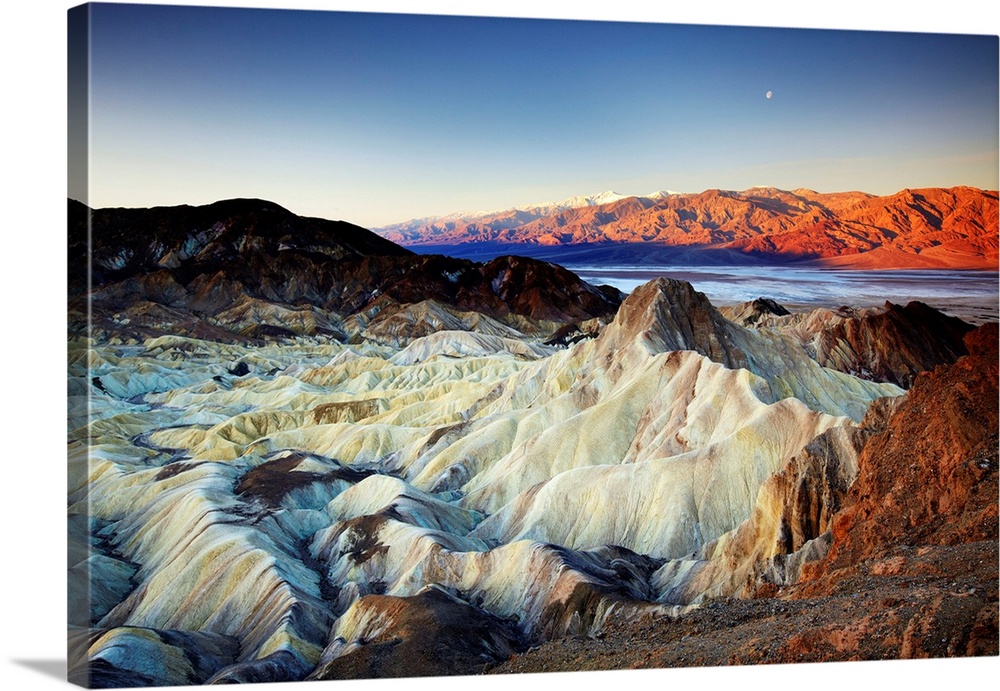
[32,370]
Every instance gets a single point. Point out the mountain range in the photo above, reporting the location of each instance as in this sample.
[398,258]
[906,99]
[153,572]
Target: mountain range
[512,217]
[911,229]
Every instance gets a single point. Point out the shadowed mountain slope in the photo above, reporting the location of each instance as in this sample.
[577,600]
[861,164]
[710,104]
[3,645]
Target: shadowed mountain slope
[247,269]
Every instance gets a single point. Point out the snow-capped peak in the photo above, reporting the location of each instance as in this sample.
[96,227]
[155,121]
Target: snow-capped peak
[592,200]
[575,202]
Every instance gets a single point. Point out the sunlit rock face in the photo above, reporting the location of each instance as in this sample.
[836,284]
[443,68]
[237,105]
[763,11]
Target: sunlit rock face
[913,228]
[788,524]
[292,508]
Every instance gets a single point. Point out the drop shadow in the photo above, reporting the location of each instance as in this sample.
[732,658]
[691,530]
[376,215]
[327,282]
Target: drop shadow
[50,668]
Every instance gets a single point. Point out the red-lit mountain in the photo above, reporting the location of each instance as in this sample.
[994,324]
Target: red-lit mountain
[914,228]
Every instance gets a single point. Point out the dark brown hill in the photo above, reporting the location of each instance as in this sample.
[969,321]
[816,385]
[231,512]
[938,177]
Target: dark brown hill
[894,345]
[931,477]
[247,268]
[129,242]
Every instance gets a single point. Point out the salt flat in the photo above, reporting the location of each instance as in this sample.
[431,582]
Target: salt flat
[970,295]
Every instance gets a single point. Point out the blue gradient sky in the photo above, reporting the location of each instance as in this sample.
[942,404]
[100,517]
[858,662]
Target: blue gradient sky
[378,118]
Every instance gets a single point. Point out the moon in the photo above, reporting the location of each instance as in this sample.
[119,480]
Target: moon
[768,95]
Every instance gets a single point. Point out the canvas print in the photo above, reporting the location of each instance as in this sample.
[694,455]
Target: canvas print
[417,345]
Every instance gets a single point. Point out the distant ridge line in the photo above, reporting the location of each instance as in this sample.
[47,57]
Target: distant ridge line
[915,228]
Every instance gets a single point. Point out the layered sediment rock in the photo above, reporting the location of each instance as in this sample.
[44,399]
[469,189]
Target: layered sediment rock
[129,656]
[426,634]
[754,312]
[788,526]
[895,345]
[902,562]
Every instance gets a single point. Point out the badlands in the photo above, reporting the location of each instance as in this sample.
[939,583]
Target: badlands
[297,451]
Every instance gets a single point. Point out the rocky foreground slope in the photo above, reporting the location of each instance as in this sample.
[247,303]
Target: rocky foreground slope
[918,228]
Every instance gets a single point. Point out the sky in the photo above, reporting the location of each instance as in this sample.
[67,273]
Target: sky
[380,118]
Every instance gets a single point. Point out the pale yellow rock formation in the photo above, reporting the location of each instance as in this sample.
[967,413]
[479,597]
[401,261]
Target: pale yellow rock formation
[786,527]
